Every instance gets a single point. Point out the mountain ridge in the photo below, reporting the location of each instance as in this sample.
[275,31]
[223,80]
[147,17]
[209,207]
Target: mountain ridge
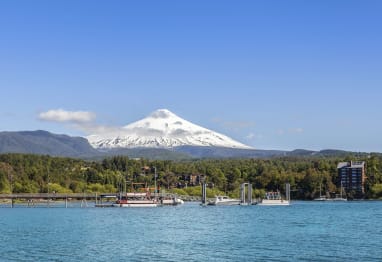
[46,143]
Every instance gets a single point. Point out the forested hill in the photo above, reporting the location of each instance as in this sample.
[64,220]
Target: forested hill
[21,173]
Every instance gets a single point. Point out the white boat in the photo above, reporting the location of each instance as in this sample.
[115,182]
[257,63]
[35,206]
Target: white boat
[171,201]
[324,198]
[146,200]
[136,200]
[224,201]
[321,198]
[273,199]
[338,197]
[135,204]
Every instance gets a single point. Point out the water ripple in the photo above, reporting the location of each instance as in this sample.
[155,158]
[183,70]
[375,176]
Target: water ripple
[305,231]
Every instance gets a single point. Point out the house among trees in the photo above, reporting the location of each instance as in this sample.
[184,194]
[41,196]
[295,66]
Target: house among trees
[352,176]
[190,180]
[146,170]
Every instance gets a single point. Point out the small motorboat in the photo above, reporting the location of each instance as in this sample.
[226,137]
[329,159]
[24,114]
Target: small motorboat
[224,201]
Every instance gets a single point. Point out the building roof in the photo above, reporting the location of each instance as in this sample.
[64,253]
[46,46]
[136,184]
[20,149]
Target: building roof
[342,164]
[351,164]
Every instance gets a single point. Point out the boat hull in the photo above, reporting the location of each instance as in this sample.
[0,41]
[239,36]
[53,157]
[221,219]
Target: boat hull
[274,202]
[320,199]
[136,205]
[226,203]
[172,202]
[336,199]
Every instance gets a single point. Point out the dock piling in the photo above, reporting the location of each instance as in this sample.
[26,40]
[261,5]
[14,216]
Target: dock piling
[287,191]
[204,194]
[246,197]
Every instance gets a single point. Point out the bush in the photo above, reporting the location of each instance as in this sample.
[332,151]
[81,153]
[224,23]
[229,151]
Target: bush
[57,188]
[97,187]
[197,191]
[178,191]
[376,191]
[77,186]
[212,192]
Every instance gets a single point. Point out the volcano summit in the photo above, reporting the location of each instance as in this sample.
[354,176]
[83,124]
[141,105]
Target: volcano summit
[162,129]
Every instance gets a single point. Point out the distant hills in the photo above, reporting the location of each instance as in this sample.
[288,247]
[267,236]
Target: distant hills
[225,152]
[46,143]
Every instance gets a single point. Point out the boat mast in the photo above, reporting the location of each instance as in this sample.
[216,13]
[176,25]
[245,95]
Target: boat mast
[155,183]
[287,191]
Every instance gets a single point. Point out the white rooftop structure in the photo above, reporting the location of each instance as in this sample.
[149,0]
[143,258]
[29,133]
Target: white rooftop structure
[351,164]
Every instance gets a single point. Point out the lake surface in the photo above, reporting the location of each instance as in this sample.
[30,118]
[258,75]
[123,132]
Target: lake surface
[305,231]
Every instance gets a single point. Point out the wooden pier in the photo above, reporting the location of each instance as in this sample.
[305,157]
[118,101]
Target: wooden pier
[51,196]
[31,199]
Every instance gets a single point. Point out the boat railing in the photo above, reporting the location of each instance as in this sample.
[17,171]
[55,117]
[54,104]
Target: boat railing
[273,195]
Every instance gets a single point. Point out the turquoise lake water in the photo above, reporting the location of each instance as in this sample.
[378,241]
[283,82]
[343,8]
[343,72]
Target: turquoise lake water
[305,231]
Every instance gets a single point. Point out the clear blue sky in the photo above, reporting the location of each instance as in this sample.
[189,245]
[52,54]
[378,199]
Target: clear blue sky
[271,74]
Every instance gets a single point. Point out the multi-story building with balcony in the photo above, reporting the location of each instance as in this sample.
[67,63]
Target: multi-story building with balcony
[352,176]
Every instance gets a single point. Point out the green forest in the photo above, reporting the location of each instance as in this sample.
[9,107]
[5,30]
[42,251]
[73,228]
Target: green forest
[23,173]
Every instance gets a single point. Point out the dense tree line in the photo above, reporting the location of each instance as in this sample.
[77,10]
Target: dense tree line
[21,173]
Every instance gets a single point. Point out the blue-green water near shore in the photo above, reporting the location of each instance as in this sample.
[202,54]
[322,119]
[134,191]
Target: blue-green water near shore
[305,231]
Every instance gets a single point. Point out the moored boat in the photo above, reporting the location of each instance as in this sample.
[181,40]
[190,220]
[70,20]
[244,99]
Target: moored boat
[321,198]
[171,201]
[146,200]
[136,200]
[273,199]
[224,201]
[338,197]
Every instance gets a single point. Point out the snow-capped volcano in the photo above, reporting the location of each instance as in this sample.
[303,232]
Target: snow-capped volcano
[163,129]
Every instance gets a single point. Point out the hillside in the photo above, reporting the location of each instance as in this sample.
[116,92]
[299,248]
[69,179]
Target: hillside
[45,143]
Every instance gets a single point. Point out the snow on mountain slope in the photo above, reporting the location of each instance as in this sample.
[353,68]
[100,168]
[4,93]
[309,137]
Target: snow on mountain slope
[162,129]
